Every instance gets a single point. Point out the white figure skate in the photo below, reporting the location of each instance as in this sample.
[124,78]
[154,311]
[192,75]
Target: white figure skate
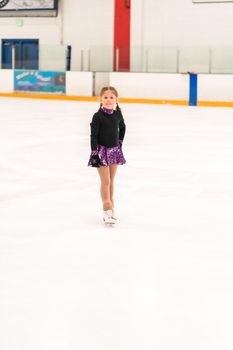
[108,217]
[114,214]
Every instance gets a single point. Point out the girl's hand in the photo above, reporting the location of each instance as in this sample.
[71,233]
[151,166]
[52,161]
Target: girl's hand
[95,160]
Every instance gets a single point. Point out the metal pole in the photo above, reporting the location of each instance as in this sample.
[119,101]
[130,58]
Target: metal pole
[177,60]
[61,15]
[93,84]
[68,57]
[89,60]
[81,64]
[210,60]
[146,53]
[13,57]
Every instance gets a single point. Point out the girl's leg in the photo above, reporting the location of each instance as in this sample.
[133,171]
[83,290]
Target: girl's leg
[104,173]
[112,170]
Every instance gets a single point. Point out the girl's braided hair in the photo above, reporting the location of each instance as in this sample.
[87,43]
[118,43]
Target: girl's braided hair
[114,91]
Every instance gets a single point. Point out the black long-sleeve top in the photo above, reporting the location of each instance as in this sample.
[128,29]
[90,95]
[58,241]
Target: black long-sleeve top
[107,129]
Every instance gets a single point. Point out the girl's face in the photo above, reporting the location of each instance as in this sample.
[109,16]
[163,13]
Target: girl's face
[108,99]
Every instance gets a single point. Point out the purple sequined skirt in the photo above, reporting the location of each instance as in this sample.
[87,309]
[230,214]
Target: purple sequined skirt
[110,156]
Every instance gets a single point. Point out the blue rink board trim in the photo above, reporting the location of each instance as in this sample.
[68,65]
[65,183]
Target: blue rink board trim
[192,89]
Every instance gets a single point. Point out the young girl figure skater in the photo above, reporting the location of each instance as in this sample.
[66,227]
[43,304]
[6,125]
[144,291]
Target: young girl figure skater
[107,135]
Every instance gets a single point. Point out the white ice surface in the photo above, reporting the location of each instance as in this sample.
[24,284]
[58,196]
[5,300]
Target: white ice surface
[163,277]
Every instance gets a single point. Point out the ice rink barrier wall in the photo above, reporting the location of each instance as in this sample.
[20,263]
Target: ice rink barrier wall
[160,88]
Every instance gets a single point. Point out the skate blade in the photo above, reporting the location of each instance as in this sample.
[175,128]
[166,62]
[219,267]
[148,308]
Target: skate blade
[109,223]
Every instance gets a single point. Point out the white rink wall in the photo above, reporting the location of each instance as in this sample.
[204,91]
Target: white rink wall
[79,83]
[6,80]
[153,86]
[211,87]
[215,87]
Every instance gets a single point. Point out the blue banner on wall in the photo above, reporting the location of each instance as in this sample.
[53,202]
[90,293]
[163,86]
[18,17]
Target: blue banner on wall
[40,81]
